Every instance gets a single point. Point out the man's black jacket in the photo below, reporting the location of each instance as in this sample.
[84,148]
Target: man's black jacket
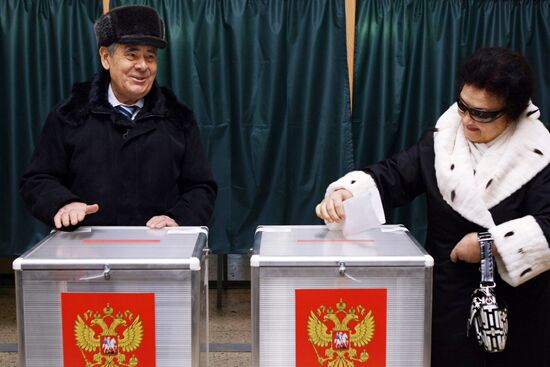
[134,170]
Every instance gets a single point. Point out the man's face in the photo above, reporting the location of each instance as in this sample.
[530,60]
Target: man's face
[133,69]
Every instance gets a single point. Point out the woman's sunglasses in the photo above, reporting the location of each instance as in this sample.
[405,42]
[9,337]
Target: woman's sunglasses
[479,115]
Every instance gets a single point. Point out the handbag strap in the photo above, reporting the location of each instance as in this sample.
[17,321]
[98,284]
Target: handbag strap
[485,243]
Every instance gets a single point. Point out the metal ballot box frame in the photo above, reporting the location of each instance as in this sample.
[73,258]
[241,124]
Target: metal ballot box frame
[297,268]
[117,296]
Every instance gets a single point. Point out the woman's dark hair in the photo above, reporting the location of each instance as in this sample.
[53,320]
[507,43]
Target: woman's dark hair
[502,72]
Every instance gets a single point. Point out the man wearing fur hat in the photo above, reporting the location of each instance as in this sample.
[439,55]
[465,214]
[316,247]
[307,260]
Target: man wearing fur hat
[121,150]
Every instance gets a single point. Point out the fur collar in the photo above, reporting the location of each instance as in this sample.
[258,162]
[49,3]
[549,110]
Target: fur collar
[91,97]
[527,152]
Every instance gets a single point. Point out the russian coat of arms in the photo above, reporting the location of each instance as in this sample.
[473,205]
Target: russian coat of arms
[107,339]
[339,335]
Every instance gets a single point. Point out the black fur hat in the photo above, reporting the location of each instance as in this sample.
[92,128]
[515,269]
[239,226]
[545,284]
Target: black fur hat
[131,25]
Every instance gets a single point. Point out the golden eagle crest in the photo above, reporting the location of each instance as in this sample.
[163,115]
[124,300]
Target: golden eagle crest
[104,340]
[330,330]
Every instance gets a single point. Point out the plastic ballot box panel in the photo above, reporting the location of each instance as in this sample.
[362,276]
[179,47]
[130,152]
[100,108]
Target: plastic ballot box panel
[322,299]
[114,296]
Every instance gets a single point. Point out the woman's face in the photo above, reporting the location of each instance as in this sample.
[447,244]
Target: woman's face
[481,101]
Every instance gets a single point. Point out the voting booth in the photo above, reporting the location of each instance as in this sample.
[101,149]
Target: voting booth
[114,296]
[322,299]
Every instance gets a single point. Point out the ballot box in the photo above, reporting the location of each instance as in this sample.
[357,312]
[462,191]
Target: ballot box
[321,299]
[114,296]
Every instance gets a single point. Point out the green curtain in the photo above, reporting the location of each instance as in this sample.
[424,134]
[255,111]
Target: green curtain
[46,46]
[267,81]
[407,55]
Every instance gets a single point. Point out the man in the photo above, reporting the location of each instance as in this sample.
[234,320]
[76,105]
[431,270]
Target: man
[121,150]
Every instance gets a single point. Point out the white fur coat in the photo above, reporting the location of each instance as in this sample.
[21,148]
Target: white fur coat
[522,246]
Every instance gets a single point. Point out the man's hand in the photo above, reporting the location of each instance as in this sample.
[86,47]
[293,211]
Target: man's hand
[161,221]
[73,213]
[467,249]
[331,208]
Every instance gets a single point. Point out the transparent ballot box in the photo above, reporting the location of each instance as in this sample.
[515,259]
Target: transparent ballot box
[322,299]
[114,296]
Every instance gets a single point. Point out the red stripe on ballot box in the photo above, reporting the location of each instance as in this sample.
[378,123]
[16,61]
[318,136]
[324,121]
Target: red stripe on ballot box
[320,241]
[120,241]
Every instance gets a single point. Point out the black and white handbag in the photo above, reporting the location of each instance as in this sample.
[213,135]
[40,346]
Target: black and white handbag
[488,317]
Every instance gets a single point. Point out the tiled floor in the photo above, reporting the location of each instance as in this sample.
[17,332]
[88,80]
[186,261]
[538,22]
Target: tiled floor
[228,325]
[8,326]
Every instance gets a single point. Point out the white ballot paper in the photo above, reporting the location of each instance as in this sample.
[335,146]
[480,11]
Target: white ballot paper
[363,212]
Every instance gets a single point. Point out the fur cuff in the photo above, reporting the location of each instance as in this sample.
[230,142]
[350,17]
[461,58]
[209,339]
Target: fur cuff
[355,182]
[523,250]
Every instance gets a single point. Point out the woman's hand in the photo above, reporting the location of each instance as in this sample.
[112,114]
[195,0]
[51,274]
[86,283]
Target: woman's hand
[467,249]
[331,208]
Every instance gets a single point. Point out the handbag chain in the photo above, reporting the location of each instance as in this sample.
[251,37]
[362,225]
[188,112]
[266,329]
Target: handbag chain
[487,263]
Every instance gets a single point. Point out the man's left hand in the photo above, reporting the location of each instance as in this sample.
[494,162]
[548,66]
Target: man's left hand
[467,249]
[161,221]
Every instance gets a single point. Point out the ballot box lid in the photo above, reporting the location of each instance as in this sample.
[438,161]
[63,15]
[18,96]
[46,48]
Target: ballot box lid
[117,248]
[386,245]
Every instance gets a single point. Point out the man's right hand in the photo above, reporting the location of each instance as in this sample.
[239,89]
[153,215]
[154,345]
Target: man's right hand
[73,213]
[331,208]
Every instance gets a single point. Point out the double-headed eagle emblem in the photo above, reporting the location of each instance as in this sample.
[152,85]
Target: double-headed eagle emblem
[99,337]
[330,330]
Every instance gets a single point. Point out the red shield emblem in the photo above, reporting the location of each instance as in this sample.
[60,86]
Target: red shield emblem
[341,327]
[108,329]
[109,345]
[340,340]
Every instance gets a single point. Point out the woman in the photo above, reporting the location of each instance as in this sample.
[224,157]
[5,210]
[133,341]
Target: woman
[484,168]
